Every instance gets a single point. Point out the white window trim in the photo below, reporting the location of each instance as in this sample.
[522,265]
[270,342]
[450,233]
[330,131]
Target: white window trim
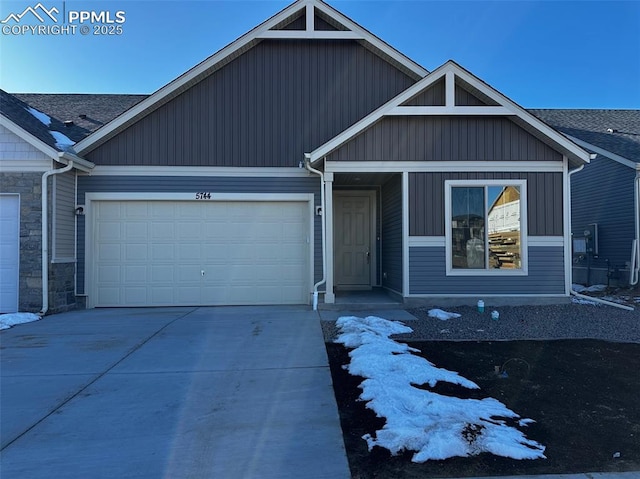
[522,184]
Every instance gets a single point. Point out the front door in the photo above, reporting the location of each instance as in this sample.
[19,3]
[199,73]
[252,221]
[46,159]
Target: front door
[352,245]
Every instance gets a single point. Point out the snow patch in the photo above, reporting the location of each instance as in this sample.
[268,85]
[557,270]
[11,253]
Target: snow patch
[8,320]
[62,141]
[584,301]
[44,119]
[442,315]
[432,425]
[595,288]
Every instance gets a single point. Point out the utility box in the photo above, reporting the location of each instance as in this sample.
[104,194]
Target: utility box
[585,242]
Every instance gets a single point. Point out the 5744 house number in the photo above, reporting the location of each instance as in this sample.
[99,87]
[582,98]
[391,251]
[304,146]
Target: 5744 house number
[203,196]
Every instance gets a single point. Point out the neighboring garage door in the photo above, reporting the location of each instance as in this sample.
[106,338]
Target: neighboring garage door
[169,253]
[9,252]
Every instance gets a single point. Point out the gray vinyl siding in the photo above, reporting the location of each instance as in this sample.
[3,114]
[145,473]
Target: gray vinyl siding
[427,275]
[465,98]
[602,193]
[392,234]
[433,96]
[64,218]
[266,108]
[428,138]
[544,201]
[164,184]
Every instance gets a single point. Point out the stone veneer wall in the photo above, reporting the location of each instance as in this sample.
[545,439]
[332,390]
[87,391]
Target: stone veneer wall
[61,275]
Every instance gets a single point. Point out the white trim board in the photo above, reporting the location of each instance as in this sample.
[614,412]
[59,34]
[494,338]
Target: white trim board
[601,151]
[442,166]
[110,170]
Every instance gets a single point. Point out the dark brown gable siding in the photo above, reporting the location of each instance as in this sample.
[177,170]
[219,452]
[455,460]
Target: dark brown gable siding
[266,108]
[445,139]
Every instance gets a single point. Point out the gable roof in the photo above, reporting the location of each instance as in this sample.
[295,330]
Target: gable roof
[320,22]
[602,131]
[489,102]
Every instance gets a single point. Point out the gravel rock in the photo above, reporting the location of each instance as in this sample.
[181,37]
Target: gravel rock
[566,321]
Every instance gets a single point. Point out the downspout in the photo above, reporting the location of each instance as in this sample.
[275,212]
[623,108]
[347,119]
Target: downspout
[307,165]
[580,168]
[45,235]
[635,253]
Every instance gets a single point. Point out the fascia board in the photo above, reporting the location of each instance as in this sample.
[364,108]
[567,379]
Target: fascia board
[371,38]
[29,138]
[521,113]
[253,35]
[78,163]
[601,151]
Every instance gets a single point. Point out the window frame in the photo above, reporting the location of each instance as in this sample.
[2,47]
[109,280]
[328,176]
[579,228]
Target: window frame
[486,271]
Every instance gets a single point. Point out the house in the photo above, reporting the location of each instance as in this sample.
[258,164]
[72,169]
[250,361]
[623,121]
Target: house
[36,156]
[308,158]
[604,194]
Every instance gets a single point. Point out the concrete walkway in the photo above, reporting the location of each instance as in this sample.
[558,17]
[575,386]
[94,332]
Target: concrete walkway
[233,392]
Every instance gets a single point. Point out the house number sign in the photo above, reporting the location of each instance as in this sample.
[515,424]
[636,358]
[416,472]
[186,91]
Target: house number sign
[203,196]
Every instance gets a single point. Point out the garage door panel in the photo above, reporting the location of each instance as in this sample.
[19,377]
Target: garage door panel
[135,230]
[162,231]
[154,252]
[109,230]
[136,252]
[9,252]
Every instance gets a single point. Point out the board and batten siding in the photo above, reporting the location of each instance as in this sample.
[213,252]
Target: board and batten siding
[446,138]
[427,275]
[266,108]
[391,247]
[544,200]
[166,184]
[64,218]
[602,193]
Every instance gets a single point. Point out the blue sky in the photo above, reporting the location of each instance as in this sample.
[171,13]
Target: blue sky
[541,54]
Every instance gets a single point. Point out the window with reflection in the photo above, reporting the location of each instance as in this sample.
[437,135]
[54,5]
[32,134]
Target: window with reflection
[485,226]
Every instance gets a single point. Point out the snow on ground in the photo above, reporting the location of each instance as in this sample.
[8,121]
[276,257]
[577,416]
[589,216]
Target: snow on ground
[432,425]
[442,315]
[595,288]
[8,320]
[45,119]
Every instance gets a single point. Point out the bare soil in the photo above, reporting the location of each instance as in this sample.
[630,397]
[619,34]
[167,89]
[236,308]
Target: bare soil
[584,395]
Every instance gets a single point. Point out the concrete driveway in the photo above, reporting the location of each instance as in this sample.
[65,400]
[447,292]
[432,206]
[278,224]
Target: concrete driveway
[233,392]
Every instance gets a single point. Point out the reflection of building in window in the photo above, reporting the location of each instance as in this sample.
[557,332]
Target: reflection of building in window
[468,227]
[504,229]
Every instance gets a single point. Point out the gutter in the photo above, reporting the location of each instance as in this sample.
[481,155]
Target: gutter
[45,234]
[307,165]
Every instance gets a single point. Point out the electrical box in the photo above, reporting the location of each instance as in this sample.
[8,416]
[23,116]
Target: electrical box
[586,241]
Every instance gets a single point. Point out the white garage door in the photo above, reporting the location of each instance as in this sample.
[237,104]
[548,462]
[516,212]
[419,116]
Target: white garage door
[9,252]
[162,253]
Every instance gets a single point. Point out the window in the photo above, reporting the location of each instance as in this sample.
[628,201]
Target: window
[485,227]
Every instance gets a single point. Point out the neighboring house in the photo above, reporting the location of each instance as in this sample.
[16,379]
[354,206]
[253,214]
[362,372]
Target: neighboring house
[308,155]
[36,151]
[604,193]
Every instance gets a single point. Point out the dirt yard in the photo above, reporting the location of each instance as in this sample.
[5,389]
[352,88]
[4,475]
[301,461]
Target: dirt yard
[584,395]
